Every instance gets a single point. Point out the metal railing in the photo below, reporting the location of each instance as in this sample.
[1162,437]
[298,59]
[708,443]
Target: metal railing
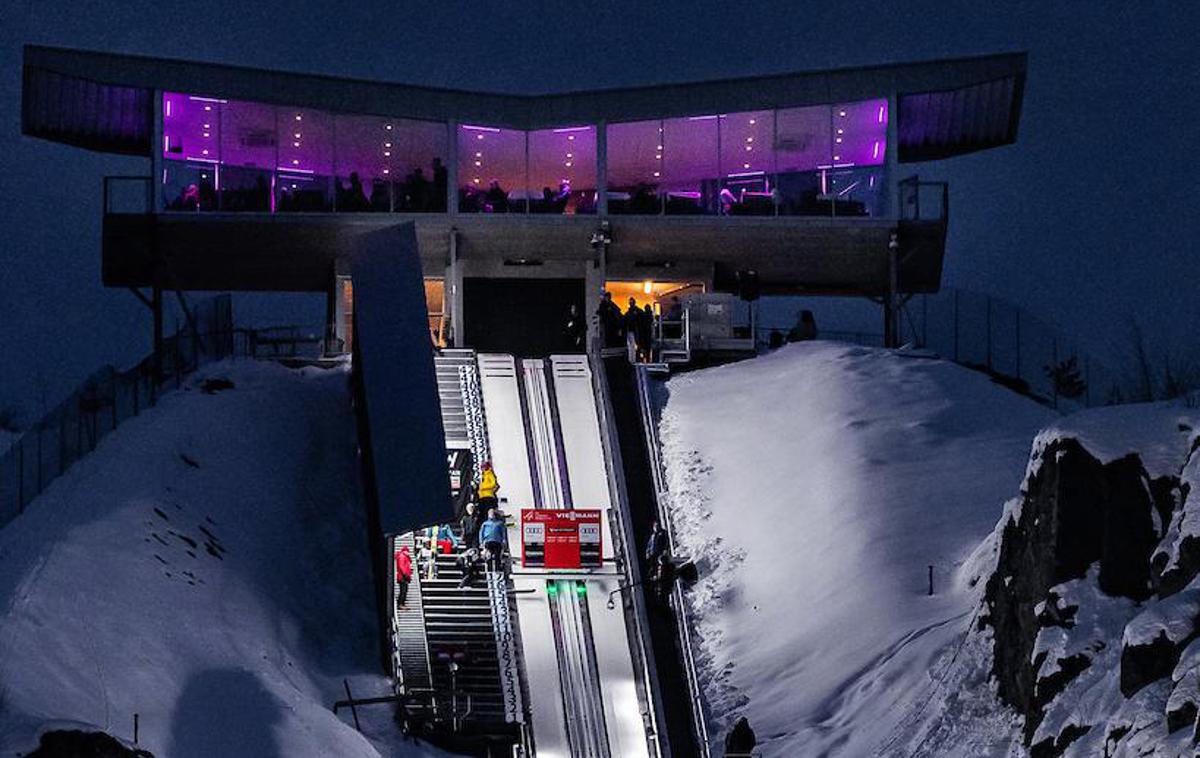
[923,200]
[107,399]
[128,194]
[678,599]
[993,335]
[648,677]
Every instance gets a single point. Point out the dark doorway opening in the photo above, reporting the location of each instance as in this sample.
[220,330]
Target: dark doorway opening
[525,317]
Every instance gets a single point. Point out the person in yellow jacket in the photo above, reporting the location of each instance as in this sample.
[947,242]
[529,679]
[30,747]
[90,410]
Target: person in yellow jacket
[488,487]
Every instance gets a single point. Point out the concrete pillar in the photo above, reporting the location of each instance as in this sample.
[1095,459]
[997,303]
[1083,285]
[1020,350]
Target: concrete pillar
[891,175]
[454,292]
[602,168]
[891,297]
[594,278]
[452,168]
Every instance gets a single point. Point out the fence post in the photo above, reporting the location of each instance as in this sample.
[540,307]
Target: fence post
[39,458]
[956,326]
[1018,343]
[1054,371]
[925,321]
[1087,381]
[21,475]
[988,303]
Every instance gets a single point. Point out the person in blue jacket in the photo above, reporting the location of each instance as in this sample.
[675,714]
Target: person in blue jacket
[493,537]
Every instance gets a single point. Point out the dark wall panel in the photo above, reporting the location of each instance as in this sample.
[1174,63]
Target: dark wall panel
[77,111]
[525,317]
[399,408]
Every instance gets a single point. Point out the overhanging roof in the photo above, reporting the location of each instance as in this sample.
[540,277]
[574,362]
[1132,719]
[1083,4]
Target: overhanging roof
[961,104]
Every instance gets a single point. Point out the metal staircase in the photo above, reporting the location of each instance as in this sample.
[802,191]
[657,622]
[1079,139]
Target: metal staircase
[459,630]
[450,390]
[410,654]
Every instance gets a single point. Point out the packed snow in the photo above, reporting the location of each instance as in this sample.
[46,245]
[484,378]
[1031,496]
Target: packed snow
[815,485]
[205,568]
[1157,432]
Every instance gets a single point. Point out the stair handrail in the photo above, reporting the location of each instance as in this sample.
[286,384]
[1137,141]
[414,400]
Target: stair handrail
[507,660]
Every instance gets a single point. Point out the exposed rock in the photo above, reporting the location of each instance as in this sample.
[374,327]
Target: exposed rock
[1053,748]
[77,744]
[1068,668]
[1075,512]
[1142,664]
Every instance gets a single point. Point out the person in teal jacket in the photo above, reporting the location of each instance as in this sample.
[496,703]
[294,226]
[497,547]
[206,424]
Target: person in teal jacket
[493,536]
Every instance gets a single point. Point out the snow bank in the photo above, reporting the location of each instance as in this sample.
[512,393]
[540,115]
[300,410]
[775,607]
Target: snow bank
[205,568]
[815,485]
[1158,432]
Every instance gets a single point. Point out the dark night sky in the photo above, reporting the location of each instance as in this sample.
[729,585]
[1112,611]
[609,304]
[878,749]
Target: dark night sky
[1088,220]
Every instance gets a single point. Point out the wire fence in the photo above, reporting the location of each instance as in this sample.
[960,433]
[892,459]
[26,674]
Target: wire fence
[104,401]
[1013,346]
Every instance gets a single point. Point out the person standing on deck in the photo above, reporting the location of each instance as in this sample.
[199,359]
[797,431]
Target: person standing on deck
[575,330]
[609,314]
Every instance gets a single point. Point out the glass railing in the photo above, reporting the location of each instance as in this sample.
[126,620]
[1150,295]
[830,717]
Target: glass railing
[838,192]
[923,200]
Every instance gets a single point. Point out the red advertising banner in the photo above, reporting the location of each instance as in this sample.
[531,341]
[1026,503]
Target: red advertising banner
[561,539]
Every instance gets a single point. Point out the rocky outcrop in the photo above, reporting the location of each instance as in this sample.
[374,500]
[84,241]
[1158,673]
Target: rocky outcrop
[69,743]
[1075,511]
[1143,664]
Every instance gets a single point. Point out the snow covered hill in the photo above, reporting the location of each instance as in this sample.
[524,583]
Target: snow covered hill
[815,485]
[205,568]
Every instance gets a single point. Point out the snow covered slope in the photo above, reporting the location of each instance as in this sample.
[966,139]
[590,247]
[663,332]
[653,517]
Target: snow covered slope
[205,568]
[815,485]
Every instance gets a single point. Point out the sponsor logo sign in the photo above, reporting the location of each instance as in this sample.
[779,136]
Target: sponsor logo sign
[561,539]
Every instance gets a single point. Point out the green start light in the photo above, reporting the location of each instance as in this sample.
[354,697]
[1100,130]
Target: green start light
[580,589]
[551,588]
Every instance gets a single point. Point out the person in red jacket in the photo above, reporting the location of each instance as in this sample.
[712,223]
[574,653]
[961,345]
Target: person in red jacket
[404,569]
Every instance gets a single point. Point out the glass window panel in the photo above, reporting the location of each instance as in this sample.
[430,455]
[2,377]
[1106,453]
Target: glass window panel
[191,127]
[746,142]
[248,135]
[248,144]
[390,163]
[690,164]
[803,156]
[635,164]
[189,185]
[860,133]
[491,169]
[802,138]
[562,170]
[855,191]
[747,161]
[305,138]
[191,151]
